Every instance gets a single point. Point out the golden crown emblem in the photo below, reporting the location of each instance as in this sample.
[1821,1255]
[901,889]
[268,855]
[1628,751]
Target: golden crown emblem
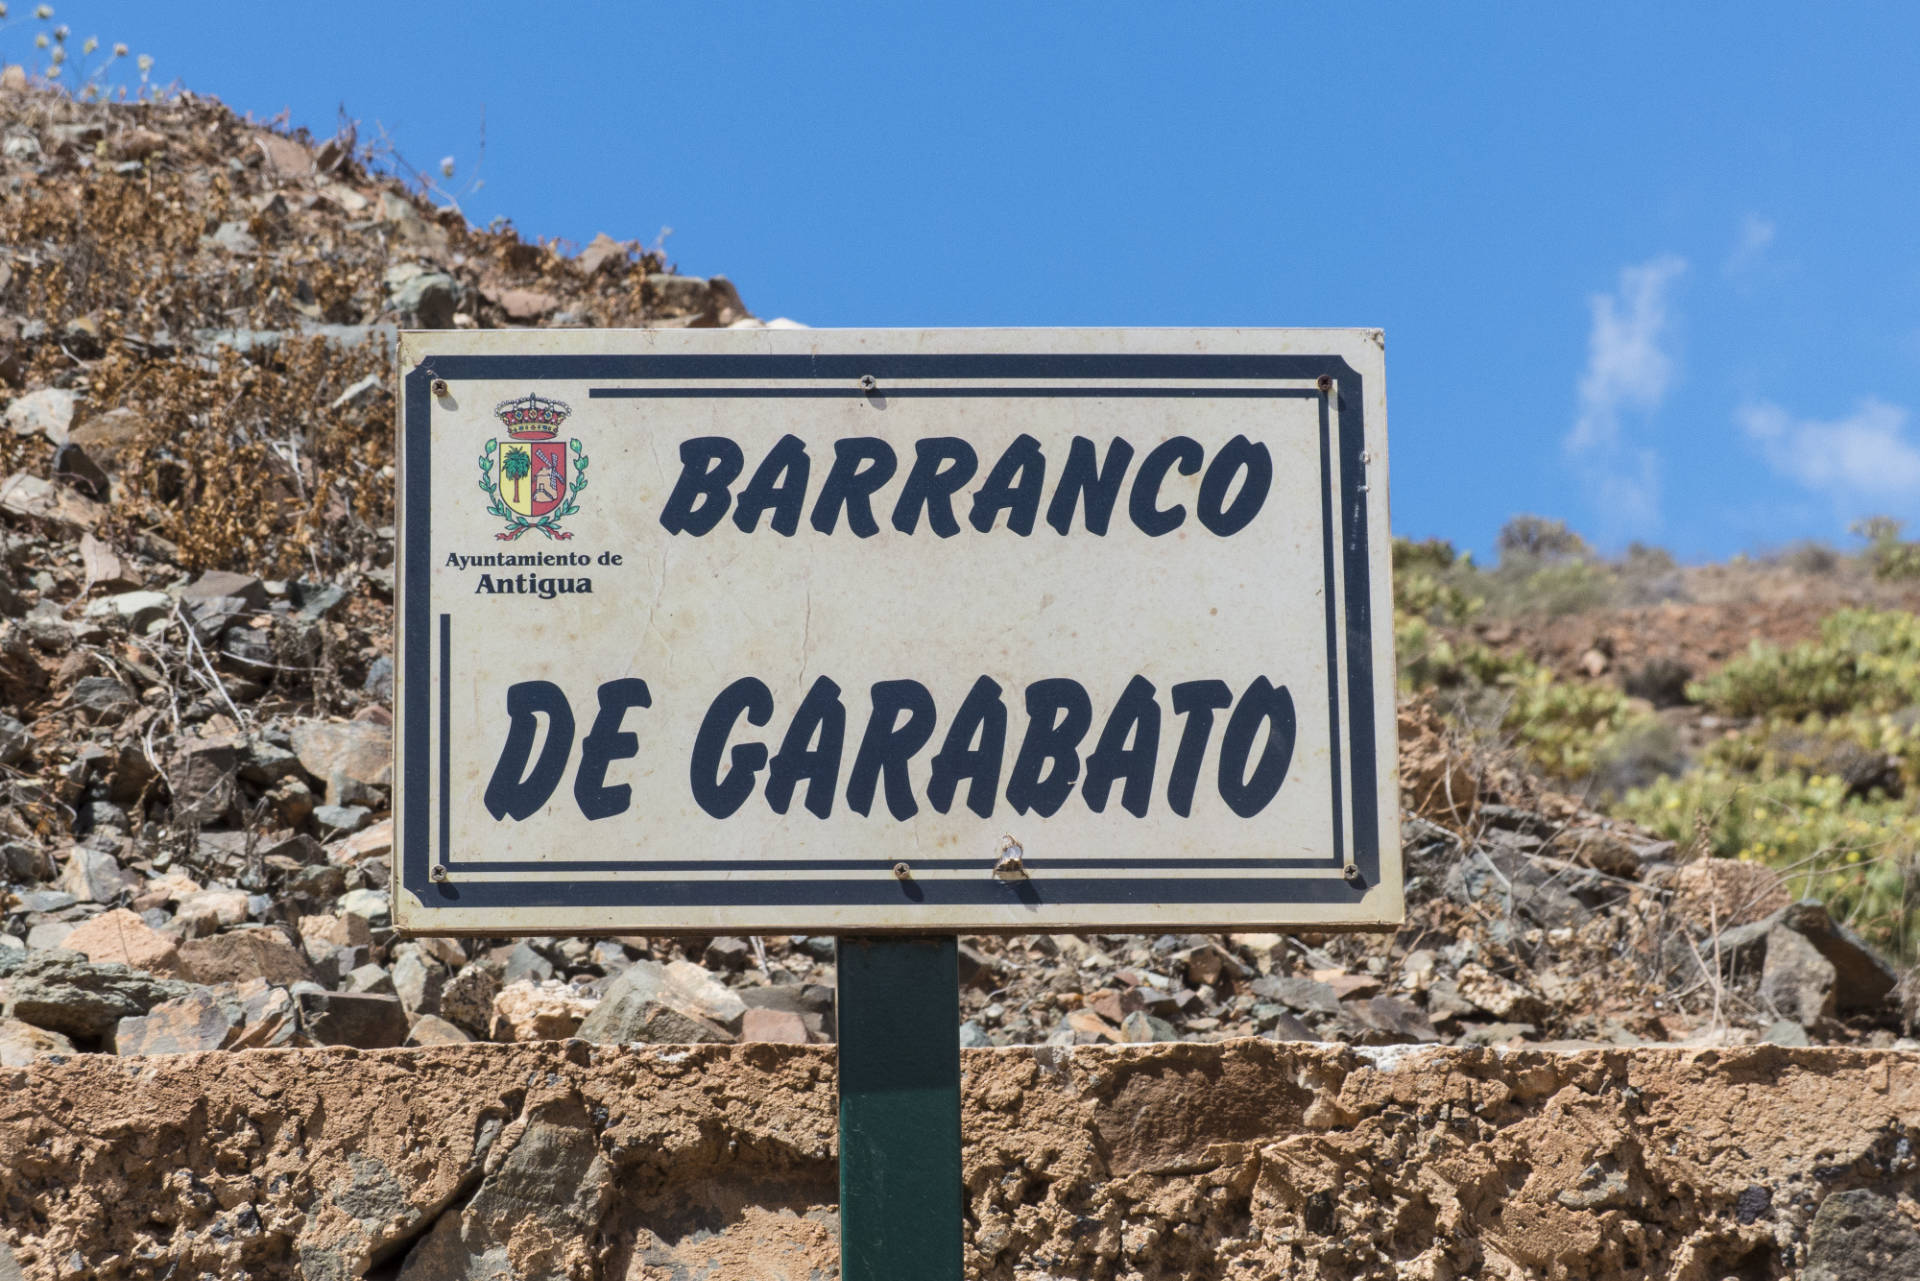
[532,417]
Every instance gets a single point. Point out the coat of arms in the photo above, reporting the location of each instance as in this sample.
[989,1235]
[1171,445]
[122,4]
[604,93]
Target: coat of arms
[534,477]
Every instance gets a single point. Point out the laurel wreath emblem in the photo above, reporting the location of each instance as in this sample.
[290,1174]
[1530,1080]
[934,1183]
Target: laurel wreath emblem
[548,524]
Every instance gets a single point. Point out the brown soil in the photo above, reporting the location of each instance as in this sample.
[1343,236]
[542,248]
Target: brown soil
[1720,610]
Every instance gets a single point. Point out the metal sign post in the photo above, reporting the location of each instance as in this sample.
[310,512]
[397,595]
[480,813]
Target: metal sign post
[900,1189]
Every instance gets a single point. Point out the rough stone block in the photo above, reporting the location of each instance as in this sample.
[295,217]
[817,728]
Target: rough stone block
[186,1025]
[64,992]
[123,938]
[239,955]
[362,1020]
[538,1011]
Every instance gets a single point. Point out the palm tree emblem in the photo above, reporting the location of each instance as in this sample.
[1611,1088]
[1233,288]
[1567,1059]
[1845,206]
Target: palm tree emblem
[514,467]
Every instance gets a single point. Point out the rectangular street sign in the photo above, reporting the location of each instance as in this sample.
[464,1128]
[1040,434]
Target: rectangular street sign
[854,631]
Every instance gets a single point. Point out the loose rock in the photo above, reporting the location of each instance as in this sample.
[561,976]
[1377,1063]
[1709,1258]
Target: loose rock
[64,992]
[537,1011]
[21,1043]
[123,938]
[676,1002]
[242,954]
[364,1021]
[47,412]
[185,1025]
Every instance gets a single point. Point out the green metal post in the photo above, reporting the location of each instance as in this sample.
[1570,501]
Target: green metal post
[900,1192]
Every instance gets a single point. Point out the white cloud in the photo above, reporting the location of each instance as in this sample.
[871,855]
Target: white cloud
[1628,366]
[1629,492]
[1865,458]
[1628,369]
[1750,245]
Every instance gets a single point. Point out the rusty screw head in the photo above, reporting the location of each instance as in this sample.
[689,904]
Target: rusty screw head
[1324,383]
[868,382]
[440,387]
[902,872]
[439,873]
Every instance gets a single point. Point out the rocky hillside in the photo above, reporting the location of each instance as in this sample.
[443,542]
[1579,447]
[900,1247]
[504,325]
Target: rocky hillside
[196,316]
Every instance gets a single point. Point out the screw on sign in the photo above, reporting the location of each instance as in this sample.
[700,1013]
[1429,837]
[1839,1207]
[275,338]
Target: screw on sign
[1062,631]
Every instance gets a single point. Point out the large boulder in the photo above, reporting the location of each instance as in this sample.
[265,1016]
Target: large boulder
[261,952]
[1861,979]
[101,699]
[1797,981]
[467,1000]
[95,876]
[121,937]
[425,299]
[47,412]
[21,1043]
[364,1020]
[351,757]
[418,979]
[538,1011]
[266,1016]
[64,992]
[552,1187]
[675,1003]
[110,439]
[188,1024]
[204,778]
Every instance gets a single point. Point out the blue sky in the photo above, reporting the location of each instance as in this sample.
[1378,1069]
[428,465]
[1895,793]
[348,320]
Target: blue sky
[1651,268]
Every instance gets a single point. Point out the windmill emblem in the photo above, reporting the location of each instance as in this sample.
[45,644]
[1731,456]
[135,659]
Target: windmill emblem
[534,476]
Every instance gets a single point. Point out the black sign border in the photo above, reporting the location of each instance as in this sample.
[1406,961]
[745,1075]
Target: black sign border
[1350,559]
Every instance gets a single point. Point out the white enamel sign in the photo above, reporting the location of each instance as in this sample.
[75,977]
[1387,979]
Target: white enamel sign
[850,631]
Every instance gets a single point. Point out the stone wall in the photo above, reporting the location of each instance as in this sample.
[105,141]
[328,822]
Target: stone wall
[1247,1159]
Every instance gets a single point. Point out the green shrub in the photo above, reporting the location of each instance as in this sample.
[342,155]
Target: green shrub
[1429,582]
[1870,753]
[1556,589]
[1565,727]
[1535,539]
[1544,569]
[1431,600]
[1642,751]
[1430,659]
[1865,660]
[1890,557]
[1878,529]
[1642,558]
[1855,854]
[1810,557]
[1897,561]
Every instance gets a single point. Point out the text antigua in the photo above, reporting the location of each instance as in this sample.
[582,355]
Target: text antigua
[1234,485]
[1255,749]
[531,585]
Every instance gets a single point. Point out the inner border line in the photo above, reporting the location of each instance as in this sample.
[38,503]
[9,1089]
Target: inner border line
[722,866]
[446,739]
[952,393]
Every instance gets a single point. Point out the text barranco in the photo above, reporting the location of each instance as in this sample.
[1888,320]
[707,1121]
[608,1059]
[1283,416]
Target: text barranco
[1233,486]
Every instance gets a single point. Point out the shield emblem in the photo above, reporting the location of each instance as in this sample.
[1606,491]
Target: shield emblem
[532,475]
